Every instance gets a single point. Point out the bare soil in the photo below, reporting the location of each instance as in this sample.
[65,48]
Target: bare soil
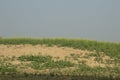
[18,50]
[54,51]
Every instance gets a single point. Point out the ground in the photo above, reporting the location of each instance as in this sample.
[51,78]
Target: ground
[36,59]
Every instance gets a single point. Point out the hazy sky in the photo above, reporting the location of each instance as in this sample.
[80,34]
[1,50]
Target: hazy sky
[89,19]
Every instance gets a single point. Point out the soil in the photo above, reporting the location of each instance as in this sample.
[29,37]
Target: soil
[18,50]
[54,51]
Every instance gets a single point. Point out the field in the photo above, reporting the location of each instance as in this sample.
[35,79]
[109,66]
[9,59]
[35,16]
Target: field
[58,59]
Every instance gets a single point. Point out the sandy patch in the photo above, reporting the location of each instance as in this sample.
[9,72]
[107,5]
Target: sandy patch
[27,49]
[54,51]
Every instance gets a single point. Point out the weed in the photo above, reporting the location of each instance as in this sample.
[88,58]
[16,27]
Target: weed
[58,64]
[39,58]
[7,68]
[75,56]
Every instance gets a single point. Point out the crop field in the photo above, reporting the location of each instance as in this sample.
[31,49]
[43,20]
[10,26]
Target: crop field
[58,59]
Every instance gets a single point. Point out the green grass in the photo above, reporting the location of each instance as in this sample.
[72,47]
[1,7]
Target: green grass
[44,62]
[109,48]
[37,58]
[7,69]
[39,62]
[58,64]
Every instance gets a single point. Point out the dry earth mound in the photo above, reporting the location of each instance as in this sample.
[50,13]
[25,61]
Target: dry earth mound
[91,58]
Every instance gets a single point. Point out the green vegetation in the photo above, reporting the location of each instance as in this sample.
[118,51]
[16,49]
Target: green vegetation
[39,59]
[50,68]
[7,69]
[110,49]
[58,69]
[45,62]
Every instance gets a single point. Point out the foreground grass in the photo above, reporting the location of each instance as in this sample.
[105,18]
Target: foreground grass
[110,49]
[54,77]
[46,68]
[45,62]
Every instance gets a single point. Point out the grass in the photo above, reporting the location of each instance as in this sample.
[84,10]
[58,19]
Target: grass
[39,59]
[7,69]
[75,56]
[53,76]
[45,62]
[57,67]
[109,48]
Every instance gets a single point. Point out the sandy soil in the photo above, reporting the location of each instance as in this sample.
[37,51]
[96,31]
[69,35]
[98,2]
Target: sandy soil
[18,50]
[54,51]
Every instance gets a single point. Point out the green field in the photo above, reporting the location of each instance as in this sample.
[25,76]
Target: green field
[47,68]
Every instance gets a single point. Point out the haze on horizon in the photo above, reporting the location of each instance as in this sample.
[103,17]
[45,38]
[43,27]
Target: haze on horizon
[89,19]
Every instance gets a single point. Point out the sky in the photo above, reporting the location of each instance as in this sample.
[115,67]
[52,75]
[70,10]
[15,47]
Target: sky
[86,19]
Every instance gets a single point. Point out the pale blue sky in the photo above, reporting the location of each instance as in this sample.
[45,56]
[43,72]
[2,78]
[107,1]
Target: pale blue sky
[89,19]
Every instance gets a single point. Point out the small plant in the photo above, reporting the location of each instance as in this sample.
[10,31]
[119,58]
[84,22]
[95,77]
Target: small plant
[75,56]
[83,68]
[36,65]
[7,68]
[39,58]
[82,62]
[99,59]
[58,64]
[98,69]
[92,54]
